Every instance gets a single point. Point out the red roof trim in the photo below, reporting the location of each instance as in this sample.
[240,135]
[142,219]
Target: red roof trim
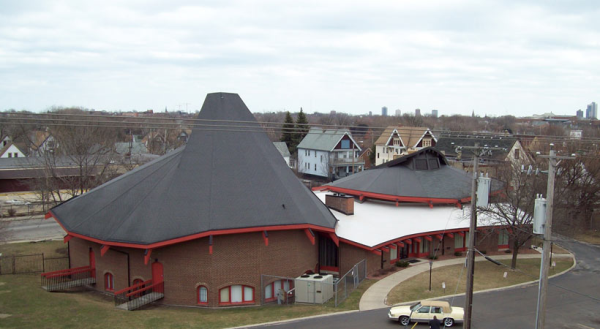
[196,236]
[388,197]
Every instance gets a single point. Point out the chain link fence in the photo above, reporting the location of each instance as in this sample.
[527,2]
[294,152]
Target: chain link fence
[312,288]
[34,263]
[350,281]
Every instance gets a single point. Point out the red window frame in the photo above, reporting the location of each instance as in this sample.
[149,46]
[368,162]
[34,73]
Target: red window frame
[206,302]
[243,295]
[272,285]
[109,282]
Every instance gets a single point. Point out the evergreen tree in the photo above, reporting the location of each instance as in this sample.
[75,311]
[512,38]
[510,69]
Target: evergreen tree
[287,135]
[301,127]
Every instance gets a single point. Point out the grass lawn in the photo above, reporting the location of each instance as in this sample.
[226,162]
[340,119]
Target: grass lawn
[28,306]
[487,276]
[590,236]
[48,248]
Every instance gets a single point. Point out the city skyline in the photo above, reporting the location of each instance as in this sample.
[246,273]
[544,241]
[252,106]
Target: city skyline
[456,56]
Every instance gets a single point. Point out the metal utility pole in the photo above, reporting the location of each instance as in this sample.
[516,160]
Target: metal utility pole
[547,241]
[477,151]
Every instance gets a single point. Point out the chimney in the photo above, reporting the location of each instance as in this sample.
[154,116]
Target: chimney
[341,203]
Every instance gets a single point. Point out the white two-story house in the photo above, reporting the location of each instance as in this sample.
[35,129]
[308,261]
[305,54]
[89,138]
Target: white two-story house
[329,153]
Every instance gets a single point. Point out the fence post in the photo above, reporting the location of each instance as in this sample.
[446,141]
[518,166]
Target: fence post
[43,263]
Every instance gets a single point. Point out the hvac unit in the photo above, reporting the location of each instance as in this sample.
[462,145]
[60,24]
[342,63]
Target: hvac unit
[314,288]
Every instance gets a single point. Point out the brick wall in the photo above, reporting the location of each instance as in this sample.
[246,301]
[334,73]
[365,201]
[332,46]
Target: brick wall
[236,259]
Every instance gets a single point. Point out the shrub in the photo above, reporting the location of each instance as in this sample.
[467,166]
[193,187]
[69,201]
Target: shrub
[508,251]
[457,253]
[402,263]
[12,212]
[432,257]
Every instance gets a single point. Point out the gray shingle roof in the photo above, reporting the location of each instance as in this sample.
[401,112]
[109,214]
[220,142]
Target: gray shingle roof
[225,178]
[323,140]
[398,178]
[448,145]
[282,148]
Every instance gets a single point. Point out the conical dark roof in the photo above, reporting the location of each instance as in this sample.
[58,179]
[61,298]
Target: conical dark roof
[229,176]
[424,174]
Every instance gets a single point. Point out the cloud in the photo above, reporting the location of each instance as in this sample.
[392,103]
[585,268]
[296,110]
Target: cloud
[350,56]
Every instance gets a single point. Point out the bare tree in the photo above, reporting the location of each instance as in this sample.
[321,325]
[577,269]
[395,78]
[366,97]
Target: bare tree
[513,207]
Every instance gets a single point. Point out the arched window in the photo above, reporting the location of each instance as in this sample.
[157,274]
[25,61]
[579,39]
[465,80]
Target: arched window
[109,282]
[274,289]
[236,294]
[202,292]
[137,281]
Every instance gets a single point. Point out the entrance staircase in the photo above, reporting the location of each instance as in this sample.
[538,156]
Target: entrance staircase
[68,278]
[138,295]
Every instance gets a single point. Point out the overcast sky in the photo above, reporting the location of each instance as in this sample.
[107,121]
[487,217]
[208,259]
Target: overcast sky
[493,57]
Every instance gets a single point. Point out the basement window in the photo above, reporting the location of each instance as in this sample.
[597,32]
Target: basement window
[109,282]
[236,295]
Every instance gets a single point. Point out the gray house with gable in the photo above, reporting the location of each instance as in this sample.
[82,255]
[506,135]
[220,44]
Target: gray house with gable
[329,153]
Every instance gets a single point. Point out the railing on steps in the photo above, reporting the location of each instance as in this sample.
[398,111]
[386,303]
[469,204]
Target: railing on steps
[138,295]
[68,278]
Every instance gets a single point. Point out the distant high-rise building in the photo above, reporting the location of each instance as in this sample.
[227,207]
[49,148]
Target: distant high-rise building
[579,114]
[384,111]
[418,112]
[332,113]
[370,113]
[592,111]
[398,113]
[434,113]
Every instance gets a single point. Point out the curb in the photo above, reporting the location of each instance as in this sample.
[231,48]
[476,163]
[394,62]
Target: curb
[273,323]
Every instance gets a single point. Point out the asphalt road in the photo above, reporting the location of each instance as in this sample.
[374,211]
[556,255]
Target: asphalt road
[573,302]
[34,229]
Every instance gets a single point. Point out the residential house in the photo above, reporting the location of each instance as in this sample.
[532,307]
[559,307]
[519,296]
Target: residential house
[42,142]
[10,150]
[506,148]
[395,142]
[329,153]
[283,150]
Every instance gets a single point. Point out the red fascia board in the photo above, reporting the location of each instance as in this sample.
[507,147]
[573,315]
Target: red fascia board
[388,197]
[104,250]
[67,238]
[199,235]
[310,235]
[147,256]
[334,238]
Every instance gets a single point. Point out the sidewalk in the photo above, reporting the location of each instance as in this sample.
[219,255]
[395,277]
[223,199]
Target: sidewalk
[376,295]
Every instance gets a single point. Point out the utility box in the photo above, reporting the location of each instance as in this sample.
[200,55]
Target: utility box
[539,216]
[484,184]
[314,288]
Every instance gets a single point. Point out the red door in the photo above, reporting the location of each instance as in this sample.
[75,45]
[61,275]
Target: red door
[157,272]
[93,263]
